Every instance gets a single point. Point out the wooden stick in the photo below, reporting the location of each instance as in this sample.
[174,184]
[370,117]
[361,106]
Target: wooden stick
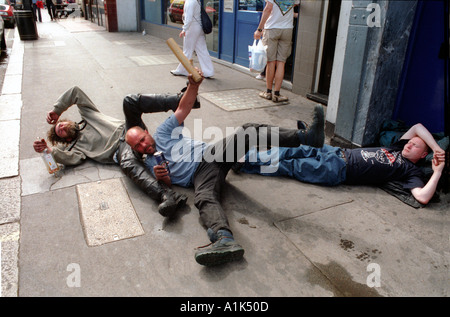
[183,59]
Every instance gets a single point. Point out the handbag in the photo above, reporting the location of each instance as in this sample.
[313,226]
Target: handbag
[257,54]
[205,20]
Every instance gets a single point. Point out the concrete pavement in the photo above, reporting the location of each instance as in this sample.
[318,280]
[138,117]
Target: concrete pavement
[299,239]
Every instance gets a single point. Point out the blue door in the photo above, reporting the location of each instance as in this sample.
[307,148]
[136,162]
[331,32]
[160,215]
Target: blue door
[240,19]
[421,93]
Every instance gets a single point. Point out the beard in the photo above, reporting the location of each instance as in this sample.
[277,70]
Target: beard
[71,130]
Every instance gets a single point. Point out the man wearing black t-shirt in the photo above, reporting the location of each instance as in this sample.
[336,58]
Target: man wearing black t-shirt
[370,166]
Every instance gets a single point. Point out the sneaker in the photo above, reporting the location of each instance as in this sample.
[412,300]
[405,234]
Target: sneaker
[223,250]
[266,95]
[175,73]
[260,77]
[279,98]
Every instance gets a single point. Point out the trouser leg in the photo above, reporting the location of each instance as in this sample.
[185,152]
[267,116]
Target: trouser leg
[208,182]
[235,146]
[135,105]
[204,58]
[325,166]
[211,173]
[188,49]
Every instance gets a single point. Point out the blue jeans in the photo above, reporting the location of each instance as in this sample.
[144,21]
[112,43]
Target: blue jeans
[325,166]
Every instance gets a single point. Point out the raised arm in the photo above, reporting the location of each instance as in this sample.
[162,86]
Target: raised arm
[71,97]
[188,99]
[422,132]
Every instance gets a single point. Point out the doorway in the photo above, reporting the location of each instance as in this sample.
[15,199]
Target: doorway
[321,88]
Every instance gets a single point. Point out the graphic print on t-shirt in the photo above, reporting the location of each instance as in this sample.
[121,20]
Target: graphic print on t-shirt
[285,5]
[382,156]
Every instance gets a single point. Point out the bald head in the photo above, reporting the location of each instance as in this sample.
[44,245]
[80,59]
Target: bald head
[140,140]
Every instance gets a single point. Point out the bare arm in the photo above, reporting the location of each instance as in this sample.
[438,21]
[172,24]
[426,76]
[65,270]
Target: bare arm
[265,15]
[188,99]
[424,194]
[422,132]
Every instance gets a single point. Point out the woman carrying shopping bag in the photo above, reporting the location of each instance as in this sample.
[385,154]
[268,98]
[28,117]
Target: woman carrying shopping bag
[194,40]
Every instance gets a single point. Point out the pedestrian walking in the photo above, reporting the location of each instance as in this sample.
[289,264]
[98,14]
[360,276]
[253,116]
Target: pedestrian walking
[37,6]
[51,9]
[194,40]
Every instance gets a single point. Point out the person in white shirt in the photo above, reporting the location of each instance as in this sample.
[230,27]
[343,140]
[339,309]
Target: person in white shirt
[277,22]
[194,40]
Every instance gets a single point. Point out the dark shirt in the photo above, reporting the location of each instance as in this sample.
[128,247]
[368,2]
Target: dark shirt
[374,166]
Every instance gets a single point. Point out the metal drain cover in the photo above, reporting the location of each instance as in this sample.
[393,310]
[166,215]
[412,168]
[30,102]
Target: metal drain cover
[106,212]
[239,99]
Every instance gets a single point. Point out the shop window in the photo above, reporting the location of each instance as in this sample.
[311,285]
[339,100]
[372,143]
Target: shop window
[251,5]
[174,12]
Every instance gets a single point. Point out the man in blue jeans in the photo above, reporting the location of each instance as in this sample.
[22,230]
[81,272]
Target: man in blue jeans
[369,166]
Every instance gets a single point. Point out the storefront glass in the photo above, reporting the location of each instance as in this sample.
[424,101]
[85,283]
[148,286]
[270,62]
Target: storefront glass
[173,14]
[251,5]
[95,11]
[170,13]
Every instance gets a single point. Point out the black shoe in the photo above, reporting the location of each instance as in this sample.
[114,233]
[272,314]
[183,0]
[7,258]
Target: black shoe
[315,134]
[171,201]
[224,250]
[236,167]
[302,125]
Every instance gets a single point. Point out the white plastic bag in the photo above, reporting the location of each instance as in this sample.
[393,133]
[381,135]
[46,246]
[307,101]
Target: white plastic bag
[257,55]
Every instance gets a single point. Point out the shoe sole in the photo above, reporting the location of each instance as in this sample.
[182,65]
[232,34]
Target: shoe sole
[217,257]
[178,74]
[318,139]
[276,100]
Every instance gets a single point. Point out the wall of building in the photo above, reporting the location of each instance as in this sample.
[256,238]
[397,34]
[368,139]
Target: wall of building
[127,15]
[308,46]
[371,69]
[338,65]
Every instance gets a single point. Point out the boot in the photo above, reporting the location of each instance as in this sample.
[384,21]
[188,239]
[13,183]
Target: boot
[222,250]
[315,135]
[170,202]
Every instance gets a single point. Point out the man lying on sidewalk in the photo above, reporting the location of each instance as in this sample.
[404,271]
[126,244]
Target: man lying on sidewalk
[101,138]
[369,166]
[203,166]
